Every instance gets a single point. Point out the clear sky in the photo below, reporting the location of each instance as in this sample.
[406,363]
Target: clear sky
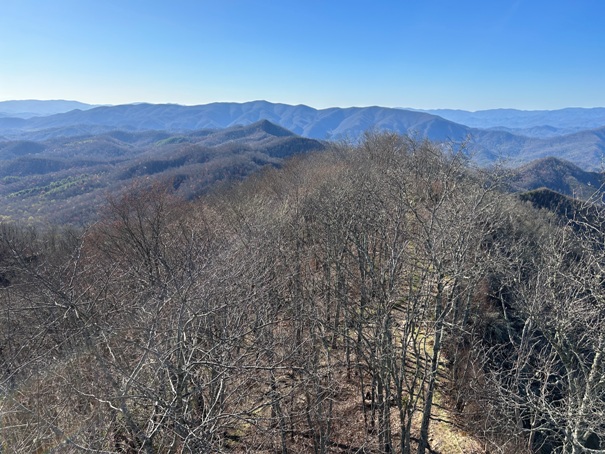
[525,54]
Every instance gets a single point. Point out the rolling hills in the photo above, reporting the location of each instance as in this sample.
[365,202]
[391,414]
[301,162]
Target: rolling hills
[557,175]
[66,179]
[537,123]
[333,123]
[577,135]
[36,108]
[58,167]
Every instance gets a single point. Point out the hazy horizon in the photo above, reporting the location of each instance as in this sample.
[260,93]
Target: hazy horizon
[468,55]
[302,104]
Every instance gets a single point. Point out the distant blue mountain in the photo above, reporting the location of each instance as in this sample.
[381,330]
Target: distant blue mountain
[35,108]
[536,123]
[334,123]
[563,138]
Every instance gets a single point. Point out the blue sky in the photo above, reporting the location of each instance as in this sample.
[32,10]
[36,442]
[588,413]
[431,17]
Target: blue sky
[525,54]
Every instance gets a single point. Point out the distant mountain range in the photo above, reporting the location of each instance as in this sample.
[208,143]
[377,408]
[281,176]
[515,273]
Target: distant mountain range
[59,167]
[66,179]
[516,137]
[334,123]
[35,108]
[538,123]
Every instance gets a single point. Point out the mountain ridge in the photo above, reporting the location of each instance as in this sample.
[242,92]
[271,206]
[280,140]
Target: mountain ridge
[568,119]
[556,175]
[63,179]
[585,147]
[333,122]
[29,108]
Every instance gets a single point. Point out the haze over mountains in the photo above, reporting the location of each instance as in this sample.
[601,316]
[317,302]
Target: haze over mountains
[57,162]
[66,179]
[334,123]
[577,135]
[533,123]
[35,108]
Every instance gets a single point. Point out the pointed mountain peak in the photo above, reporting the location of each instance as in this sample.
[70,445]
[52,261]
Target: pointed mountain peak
[271,128]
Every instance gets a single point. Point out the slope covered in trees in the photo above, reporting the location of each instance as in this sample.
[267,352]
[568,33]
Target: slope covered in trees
[381,297]
[66,180]
[583,142]
[557,175]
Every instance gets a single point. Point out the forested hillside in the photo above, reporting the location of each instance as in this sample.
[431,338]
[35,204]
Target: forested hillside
[379,297]
[557,175]
[66,180]
[579,134]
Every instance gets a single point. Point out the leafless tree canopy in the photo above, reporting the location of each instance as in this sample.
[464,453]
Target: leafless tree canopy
[348,302]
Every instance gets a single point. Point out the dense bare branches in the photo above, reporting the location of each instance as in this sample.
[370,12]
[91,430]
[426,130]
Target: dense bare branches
[324,307]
